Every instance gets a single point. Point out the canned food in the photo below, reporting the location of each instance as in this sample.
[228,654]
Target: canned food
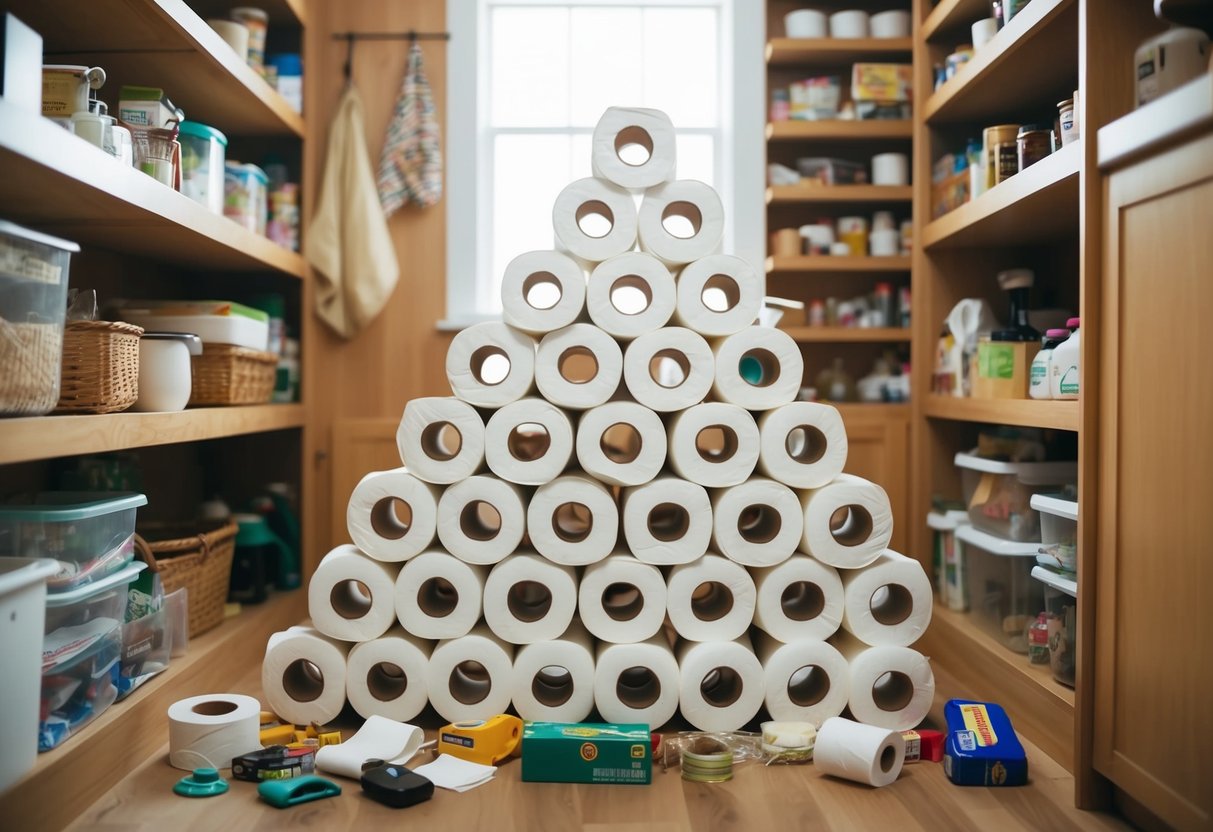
[1034,143]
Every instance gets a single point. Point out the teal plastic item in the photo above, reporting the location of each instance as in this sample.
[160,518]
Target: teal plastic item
[201,131]
[204,782]
[68,506]
[257,533]
[286,793]
[750,369]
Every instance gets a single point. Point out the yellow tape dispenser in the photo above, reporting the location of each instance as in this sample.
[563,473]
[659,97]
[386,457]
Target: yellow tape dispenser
[484,741]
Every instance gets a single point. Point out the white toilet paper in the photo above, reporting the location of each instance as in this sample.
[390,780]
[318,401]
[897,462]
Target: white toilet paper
[713,444]
[573,520]
[890,169]
[554,681]
[491,364]
[390,515]
[542,291]
[692,201]
[441,439]
[578,367]
[711,599]
[806,679]
[379,738]
[587,197]
[719,295]
[847,523]
[351,596]
[887,602]
[667,521]
[891,687]
[386,677]
[481,519]
[721,685]
[469,677]
[863,753]
[439,596]
[802,445]
[303,676]
[207,731]
[631,294]
[799,599]
[529,442]
[756,523]
[670,369]
[652,135]
[622,600]
[636,683]
[621,443]
[529,599]
[757,368]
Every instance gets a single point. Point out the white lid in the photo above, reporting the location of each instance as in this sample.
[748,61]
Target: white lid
[1055,506]
[1029,473]
[80,593]
[947,521]
[18,573]
[1059,582]
[996,545]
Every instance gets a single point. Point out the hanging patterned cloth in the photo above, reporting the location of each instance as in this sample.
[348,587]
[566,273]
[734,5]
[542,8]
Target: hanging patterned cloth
[410,166]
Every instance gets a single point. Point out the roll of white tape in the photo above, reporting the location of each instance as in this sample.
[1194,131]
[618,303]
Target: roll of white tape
[390,515]
[491,364]
[802,445]
[208,731]
[634,147]
[542,291]
[669,369]
[528,442]
[441,439]
[690,202]
[719,295]
[630,294]
[594,198]
[665,521]
[578,367]
[573,520]
[481,519]
[621,443]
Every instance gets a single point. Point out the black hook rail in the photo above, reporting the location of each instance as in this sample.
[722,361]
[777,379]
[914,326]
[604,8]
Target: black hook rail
[411,36]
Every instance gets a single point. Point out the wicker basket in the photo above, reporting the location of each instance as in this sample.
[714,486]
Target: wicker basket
[225,374]
[100,367]
[201,561]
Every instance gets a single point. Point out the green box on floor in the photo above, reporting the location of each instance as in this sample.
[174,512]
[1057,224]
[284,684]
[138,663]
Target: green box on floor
[561,752]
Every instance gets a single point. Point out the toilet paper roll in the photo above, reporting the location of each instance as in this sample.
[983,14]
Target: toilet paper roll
[439,596]
[578,367]
[390,515]
[622,127]
[554,681]
[802,444]
[528,442]
[757,523]
[573,520]
[891,687]
[621,443]
[491,364]
[719,295]
[379,738]
[890,24]
[849,24]
[352,597]
[713,444]
[481,519]
[622,600]
[863,753]
[636,683]
[542,291]
[888,602]
[694,202]
[208,731]
[386,677]
[469,677]
[847,523]
[711,599]
[441,439]
[890,169]
[529,599]
[806,679]
[799,599]
[631,294]
[584,198]
[670,369]
[758,368]
[721,685]
[665,522]
[303,676]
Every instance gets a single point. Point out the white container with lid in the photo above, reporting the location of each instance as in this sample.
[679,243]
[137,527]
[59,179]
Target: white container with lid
[998,494]
[165,378]
[805,23]
[1064,370]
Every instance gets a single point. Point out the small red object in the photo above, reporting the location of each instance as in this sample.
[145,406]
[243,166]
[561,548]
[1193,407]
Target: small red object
[656,739]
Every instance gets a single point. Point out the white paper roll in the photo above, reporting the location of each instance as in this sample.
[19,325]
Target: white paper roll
[573,520]
[631,294]
[481,519]
[847,523]
[891,687]
[622,127]
[587,197]
[621,443]
[622,600]
[757,368]
[636,683]
[713,444]
[529,599]
[386,677]
[379,738]
[694,202]
[554,681]
[469,677]
[863,753]
[888,602]
[391,514]
[303,676]
[441,439]
[439,596]
[806,679]
[719,295]
[721,685]
[578,367]
[802,445]
[666,521]
[670,369]
[711,599]
[800,598]
[351,596]
[208,731]
[491,364]
[890,169]
[542,291]
[756,523]
[529,442]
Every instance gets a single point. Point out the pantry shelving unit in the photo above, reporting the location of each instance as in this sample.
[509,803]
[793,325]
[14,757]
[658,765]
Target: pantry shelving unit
[836,265]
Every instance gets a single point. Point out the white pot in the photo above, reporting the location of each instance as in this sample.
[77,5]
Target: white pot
[849,24]
[805,23]
[891,24]
[165,381]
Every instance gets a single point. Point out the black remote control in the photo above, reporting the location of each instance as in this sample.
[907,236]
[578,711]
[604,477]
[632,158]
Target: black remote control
[394,785]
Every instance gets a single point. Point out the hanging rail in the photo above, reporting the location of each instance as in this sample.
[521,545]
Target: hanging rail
[350,37]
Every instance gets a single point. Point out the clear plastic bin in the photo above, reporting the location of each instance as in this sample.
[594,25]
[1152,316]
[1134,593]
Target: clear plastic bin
[147,646]
[1058,530]
[246,195]
[998,494]
[1061,605]
[203,153]
[1003,598]
[950,582]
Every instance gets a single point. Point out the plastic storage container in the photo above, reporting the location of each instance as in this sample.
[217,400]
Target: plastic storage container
[1003,598]
[998,494]
[1061,607]
[245,195]
[1058,531]
[950,582]
[203,154]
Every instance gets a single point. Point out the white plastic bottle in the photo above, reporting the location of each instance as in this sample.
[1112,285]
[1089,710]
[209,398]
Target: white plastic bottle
[1038,376]
[1063,371]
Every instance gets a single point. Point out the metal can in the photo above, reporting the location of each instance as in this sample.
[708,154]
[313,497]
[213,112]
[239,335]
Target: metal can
[992,138]
[1033,143]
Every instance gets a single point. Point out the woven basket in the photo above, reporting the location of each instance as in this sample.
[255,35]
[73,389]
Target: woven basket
[225,374]
[100,367]
[201,561]
[29,367]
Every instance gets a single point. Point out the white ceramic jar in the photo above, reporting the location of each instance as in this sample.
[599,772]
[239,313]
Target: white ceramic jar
[165,379]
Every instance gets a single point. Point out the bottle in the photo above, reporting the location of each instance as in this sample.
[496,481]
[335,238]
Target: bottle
[1017,283]
[834,384]
[883,302]
[1063,366]
[1038,639]
[1038,378]
[780,105]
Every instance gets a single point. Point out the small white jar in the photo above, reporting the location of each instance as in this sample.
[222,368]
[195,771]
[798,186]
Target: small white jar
[165,379]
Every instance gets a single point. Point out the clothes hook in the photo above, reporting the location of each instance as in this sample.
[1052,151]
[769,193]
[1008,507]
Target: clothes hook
[349,58]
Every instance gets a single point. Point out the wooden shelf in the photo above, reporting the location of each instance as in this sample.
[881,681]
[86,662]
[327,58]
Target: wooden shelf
[830,52]
[822,264]
[45,437]
[1031,413]
[868,410]
[949,15]
[801,194]
[871,130]
[1178,114]
[847,334]
[1035,205]
[282,13]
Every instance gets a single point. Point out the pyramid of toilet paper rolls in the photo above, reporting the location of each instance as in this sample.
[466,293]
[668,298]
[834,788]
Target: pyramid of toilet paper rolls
[604,476]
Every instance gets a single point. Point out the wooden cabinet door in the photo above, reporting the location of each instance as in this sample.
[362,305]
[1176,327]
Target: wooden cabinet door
[877,451]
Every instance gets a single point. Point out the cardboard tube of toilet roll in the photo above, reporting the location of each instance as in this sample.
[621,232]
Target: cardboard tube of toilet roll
[578,367]
[651,130]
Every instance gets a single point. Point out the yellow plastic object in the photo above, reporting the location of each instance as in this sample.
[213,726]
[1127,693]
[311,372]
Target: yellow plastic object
[325,737]
[484,741]
[273,731]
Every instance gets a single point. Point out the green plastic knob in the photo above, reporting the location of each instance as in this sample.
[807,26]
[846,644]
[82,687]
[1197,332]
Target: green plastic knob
[204,782]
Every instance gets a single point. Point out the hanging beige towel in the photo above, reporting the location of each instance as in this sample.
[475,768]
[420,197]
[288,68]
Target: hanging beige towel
[347,242]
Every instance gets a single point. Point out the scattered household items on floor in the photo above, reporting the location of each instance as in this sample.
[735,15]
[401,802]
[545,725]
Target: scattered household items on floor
[982,748]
